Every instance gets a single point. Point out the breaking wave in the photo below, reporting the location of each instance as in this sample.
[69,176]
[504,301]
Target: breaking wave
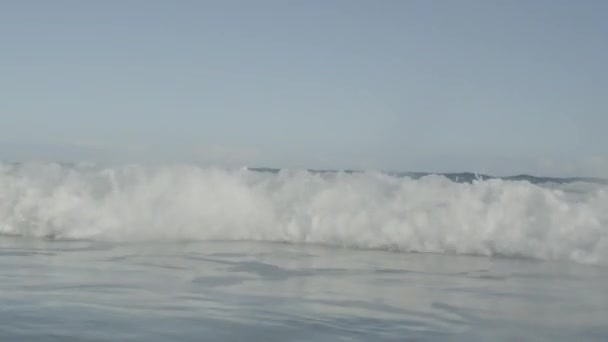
[365,210]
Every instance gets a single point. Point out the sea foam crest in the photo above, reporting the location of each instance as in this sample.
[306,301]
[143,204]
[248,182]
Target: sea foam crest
[363,210]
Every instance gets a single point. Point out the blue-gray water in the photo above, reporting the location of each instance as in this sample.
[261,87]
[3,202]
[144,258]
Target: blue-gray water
[247,291]
[189,253]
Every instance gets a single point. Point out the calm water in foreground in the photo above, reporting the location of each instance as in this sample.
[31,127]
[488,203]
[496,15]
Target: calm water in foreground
[245,291]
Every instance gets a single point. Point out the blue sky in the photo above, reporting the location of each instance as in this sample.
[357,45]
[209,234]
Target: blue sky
[490,86]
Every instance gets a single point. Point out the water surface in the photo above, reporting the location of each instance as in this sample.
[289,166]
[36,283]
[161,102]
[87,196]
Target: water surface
[241,291]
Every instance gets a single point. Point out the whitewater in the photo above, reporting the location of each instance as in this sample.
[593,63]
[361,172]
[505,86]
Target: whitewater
[429,214]
[183,252]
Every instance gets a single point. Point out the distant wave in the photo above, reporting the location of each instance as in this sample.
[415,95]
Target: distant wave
[463,177]
[466,213]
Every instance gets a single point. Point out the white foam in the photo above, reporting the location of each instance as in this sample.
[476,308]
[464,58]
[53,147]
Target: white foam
[366,210]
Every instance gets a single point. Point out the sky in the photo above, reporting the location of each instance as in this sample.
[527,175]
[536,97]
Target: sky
[501,87]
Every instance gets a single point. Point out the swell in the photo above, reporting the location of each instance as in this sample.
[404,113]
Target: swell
[463,177]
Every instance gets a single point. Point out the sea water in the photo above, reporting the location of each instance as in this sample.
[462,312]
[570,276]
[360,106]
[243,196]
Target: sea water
[188,253]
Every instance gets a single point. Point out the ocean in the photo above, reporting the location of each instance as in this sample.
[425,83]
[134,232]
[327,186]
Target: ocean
[190,253]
